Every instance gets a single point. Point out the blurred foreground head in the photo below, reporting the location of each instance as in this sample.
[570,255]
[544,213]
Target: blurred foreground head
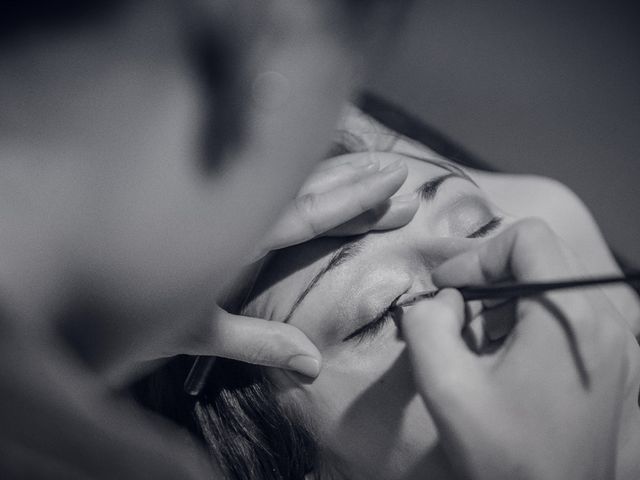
[146,145]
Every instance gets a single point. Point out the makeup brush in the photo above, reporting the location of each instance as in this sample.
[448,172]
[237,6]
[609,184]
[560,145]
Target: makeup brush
[524,289]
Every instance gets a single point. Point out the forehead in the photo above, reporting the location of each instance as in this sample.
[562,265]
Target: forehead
[289,270]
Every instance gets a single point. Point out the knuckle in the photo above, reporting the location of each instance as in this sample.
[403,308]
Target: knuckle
[306,207]
[306,204]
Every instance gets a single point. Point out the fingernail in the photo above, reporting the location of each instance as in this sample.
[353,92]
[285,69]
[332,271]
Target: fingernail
[405,198]
[395,166]
[305,365]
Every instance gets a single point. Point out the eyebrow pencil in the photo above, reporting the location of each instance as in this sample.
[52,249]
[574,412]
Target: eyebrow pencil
[197,377]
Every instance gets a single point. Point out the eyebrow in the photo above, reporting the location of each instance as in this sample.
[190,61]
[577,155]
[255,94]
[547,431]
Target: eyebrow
[429,189]
[347,252]
[444,164]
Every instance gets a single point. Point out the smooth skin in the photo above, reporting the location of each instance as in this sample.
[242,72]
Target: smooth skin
[365,405]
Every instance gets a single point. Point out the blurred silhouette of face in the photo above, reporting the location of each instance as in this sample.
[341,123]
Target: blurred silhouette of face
[172,228]
[370,420]
[153,233]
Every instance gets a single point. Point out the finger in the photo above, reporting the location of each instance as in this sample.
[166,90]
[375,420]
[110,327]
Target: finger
[553,322]
[526,251]
[394,213]
[453,384]
[358,157]
[261,342]
[340,175]
[314,215]
[443,364]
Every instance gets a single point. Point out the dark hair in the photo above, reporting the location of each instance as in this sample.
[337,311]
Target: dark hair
[237,417]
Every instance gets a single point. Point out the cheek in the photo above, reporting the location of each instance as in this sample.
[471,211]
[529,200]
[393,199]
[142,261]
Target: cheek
[371,419]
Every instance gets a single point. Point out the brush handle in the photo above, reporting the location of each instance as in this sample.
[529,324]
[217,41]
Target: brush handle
[516,290]
[198,375]
[535,288]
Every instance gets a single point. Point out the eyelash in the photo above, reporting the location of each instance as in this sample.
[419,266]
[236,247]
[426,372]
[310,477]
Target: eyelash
[371,329]
[486,229]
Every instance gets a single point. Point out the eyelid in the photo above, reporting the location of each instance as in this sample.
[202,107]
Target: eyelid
[462,213]
[474,196]
[370,328]
[487,228]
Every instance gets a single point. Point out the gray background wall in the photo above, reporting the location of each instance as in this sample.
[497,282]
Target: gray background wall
[540,86]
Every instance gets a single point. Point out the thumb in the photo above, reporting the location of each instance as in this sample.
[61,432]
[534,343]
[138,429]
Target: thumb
[444,367]
[262,342]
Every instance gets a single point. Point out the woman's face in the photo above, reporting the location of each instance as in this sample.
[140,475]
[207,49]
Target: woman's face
[371,421]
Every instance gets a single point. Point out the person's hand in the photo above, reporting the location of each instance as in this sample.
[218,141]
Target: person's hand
[548,403]
[57,422]
[346,195]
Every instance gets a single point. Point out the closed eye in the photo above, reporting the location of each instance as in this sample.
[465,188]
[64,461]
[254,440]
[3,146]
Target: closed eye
[487,228]
[371,329]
